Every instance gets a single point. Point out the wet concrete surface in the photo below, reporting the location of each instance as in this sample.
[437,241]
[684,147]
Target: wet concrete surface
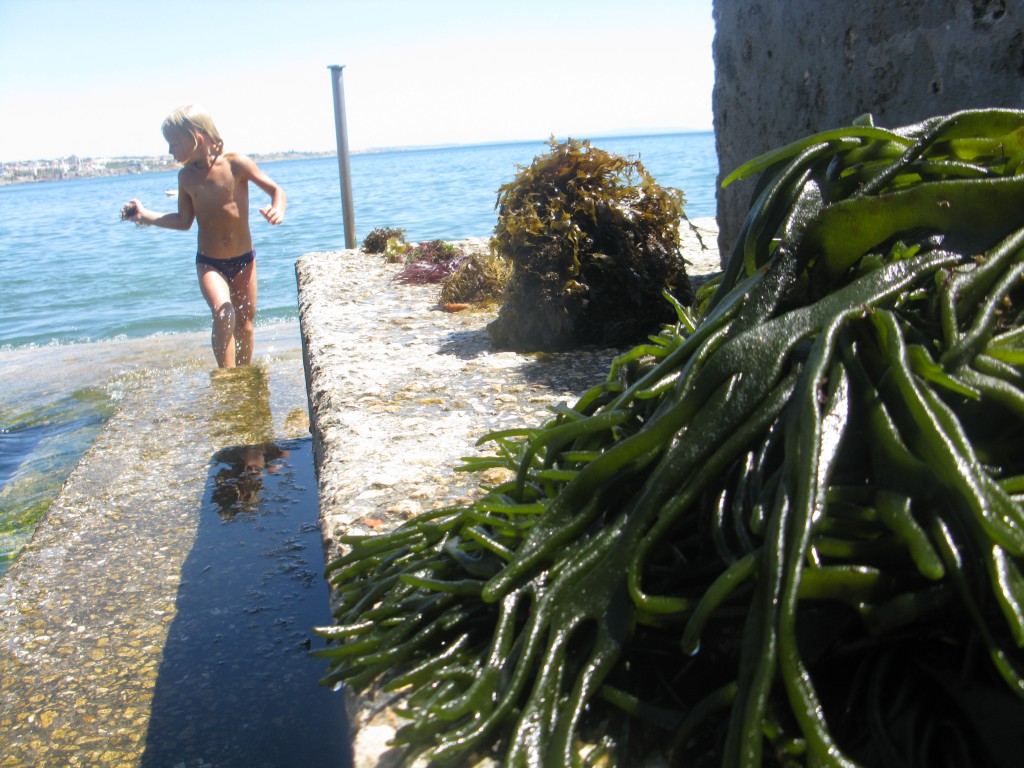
[236,685]
[162,613]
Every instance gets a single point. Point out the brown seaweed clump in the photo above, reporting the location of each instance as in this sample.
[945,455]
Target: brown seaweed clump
[594,243]
[377,240]
[480,279]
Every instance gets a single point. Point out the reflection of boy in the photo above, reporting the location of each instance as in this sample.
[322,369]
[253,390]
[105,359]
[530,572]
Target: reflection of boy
[239,483]
[213,188]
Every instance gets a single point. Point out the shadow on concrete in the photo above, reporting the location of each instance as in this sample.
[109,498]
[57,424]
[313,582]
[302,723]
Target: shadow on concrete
[576,370]
[466,345]
[236,685]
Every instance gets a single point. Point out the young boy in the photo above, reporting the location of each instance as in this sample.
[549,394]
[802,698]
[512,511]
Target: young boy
[213,188]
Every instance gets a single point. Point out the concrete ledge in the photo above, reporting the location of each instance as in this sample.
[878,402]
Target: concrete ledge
[399,391]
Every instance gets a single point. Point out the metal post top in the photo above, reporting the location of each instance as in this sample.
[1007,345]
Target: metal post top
[335,66]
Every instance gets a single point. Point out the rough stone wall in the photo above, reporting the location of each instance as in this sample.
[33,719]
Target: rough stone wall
[788,68]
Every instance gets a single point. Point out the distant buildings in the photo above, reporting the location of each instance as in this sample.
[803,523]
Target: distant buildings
[75,167]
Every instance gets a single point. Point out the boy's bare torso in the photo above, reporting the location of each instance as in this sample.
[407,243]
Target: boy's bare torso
[220,201]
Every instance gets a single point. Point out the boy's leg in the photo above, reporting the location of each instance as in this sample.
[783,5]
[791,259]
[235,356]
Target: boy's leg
[243,297]
[217,293]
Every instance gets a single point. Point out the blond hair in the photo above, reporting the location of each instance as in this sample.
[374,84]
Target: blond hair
[193,119]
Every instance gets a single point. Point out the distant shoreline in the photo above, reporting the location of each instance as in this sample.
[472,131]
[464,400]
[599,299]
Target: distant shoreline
[55,170]
[128,165]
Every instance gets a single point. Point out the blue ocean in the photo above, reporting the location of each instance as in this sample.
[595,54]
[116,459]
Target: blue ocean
[75,275]
[73,272]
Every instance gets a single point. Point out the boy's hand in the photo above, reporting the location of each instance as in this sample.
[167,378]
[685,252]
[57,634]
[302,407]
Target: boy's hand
[272,214]
[130,211]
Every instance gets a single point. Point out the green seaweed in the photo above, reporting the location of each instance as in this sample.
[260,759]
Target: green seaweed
[480,278]
[787,530]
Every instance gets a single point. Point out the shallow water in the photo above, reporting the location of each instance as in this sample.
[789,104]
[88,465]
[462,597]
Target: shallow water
[34,458]
[56,400]
[73,272]
[163,611]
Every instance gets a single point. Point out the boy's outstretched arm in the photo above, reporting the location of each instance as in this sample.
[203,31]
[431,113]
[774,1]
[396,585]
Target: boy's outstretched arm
[182,219]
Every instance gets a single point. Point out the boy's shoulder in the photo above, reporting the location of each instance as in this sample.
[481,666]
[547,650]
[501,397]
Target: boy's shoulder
[237,157]
[239,161]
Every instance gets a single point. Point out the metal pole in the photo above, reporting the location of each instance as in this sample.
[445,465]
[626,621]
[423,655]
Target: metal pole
[344,171]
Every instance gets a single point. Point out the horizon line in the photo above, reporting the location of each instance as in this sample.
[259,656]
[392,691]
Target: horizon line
[633,133]
[624,134]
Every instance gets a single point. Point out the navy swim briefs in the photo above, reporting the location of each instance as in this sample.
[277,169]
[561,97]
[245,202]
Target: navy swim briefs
[228,267]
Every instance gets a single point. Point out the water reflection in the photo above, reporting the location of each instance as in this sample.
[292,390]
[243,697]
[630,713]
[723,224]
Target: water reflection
[237,687]
[239,476]
[241,413]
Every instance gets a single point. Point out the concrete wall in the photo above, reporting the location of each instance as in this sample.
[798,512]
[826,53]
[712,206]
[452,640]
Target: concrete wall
[788,68]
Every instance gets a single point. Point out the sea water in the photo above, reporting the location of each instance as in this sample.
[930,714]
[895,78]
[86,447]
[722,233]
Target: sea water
[72,274]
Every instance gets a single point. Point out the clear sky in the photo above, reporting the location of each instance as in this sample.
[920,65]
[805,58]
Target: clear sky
[96,78]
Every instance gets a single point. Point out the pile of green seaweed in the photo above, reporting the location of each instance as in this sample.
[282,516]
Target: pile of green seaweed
[786,531]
